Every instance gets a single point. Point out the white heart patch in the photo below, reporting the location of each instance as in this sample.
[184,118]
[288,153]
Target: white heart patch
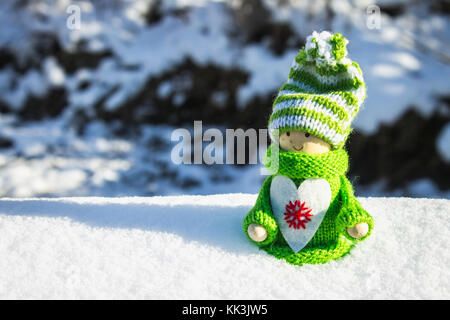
[299,212]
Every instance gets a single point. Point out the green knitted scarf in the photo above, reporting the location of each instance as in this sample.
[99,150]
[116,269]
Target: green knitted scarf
[297,165]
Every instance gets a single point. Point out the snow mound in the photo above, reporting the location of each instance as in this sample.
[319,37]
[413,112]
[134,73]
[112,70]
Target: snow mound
[193,247]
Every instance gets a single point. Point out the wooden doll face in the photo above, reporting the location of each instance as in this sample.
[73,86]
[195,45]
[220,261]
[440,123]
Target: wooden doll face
[299,141]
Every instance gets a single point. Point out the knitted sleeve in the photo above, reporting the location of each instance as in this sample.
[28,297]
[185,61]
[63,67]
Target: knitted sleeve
[351,212]
[262,214]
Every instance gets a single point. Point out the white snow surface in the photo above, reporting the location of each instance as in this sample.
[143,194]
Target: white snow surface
[193,247]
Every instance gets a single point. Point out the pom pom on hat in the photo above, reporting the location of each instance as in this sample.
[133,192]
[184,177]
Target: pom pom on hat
[326,49]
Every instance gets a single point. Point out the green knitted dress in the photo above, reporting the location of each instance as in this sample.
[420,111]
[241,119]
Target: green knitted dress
[331,240]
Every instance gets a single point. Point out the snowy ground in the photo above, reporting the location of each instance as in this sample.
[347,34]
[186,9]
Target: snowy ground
[193,247]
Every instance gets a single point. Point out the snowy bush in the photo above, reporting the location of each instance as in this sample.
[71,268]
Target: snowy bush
[70,99]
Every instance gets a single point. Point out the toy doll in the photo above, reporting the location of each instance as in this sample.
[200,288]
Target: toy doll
[306,211]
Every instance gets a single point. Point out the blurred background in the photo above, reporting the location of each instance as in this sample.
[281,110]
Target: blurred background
[90,91]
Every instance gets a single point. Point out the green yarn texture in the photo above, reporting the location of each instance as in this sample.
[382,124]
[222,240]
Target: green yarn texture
[331,240]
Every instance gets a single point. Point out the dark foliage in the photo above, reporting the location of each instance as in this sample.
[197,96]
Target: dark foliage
[401,152]
[48,106]
[5,143]
[191,97]
[254,24]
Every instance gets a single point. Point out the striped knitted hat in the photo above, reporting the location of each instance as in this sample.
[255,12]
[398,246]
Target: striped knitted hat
[323,93]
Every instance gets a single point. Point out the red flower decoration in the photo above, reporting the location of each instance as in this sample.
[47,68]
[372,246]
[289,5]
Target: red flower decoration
[297,214]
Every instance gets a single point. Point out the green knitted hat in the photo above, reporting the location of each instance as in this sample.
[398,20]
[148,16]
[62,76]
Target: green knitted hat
[324,91]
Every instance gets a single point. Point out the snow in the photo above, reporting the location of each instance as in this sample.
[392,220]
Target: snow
[100,164]
[193,247]
[420,188]
[403,61]
[54,72]
[443,143]
[405,65]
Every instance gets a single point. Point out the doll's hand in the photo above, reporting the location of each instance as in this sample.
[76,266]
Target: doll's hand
[358,231]
[257,232]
